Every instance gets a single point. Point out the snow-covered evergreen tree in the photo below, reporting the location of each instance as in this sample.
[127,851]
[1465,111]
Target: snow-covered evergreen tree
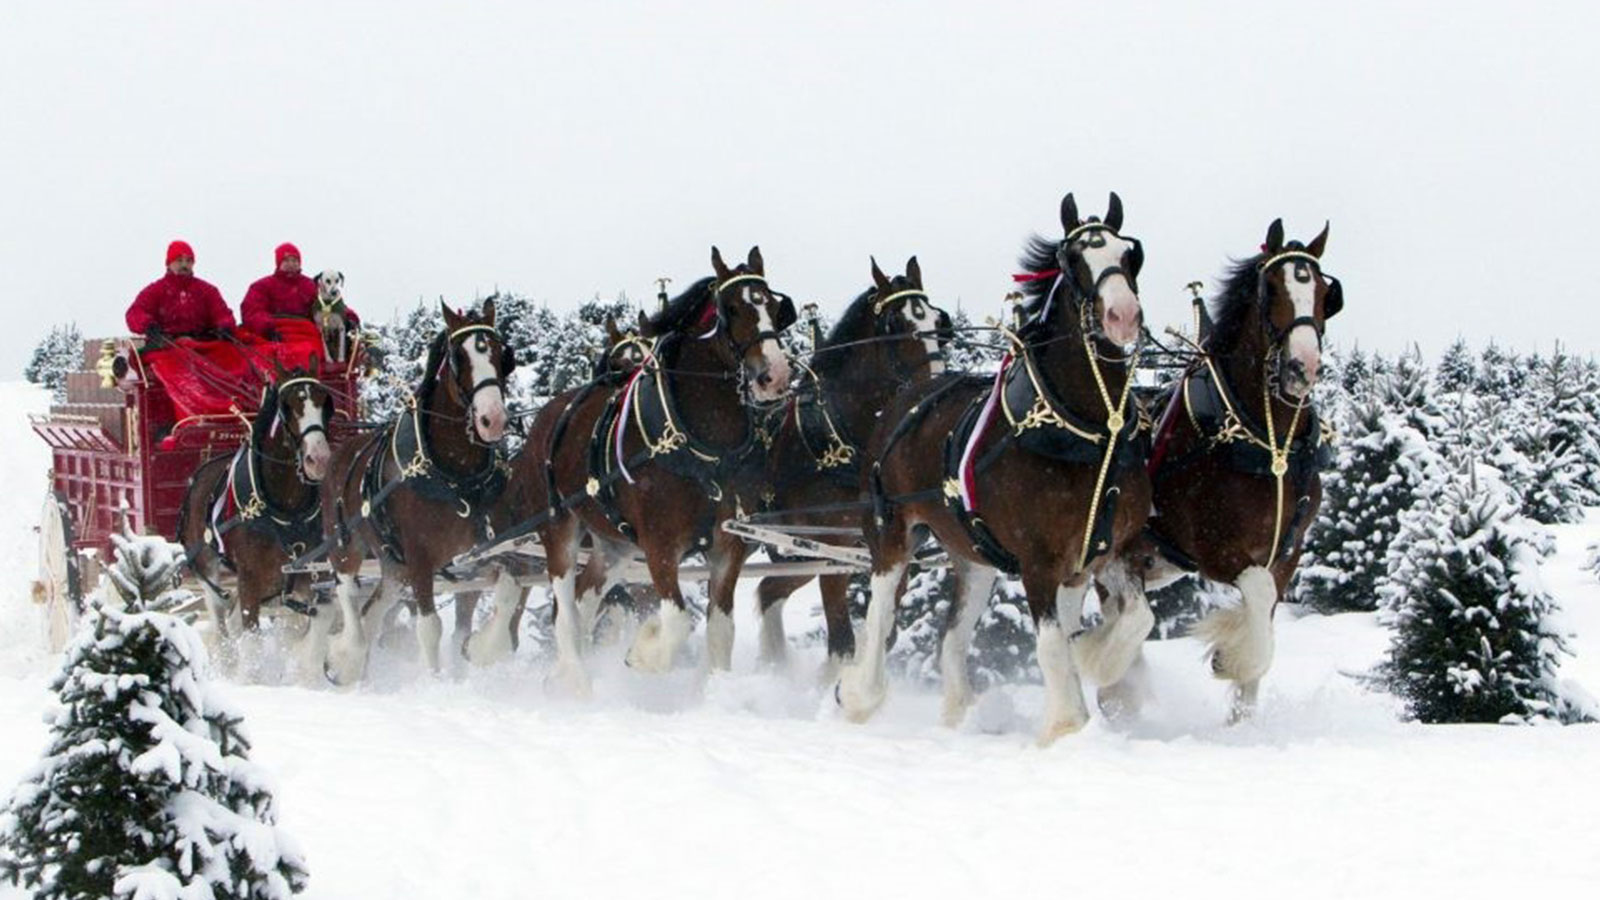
[1407,389]
[1564,413]
[1539,470]
[973,350]
[57,355]
[1383,466]
[1179,605]
[1458,371]
[1002,642]
[1473,639]
[1355,376]
[397,360]
[146,790]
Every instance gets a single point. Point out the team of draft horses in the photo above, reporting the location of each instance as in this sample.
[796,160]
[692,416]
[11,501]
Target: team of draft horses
[1048,470]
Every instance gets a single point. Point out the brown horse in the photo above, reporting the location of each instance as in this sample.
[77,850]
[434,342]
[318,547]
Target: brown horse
[527,495]
[1050,490]
[889,339]
[1235,466]
[418,491]
[661,459]
[255,510]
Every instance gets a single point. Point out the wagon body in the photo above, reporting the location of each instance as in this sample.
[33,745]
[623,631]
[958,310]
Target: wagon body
[119,453]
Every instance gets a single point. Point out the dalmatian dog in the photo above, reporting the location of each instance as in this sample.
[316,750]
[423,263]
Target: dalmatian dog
[329,315]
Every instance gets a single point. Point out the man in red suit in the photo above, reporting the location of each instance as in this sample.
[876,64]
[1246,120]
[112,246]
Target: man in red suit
[179,303]
[286,292]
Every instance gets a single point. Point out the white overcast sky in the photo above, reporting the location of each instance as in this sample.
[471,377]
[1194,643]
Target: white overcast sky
[567,149]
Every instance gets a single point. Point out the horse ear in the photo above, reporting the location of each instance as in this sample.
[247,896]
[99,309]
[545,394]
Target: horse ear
[644,325]
[277,370]
[488,311]
[878,278]
[914,272]
[755,263]
[1319,243]
[316,366]
[452,321]
[1114,213]
[1274,242]
[613,334]
[717,265]
[1069,213]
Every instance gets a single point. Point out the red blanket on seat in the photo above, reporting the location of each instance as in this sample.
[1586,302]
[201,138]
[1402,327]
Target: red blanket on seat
[206,377]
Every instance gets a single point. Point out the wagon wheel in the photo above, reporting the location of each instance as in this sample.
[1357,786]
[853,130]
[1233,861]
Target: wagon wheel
[58,588]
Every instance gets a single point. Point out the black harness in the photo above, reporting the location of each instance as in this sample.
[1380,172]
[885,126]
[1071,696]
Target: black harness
[405,442]
[834,452]
[1040,423]
[648,405]
[240,499]
[1241,441]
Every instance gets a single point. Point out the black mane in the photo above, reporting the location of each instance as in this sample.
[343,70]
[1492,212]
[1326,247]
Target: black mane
[856,322]
[683,311]
[1235,308]
[1038,255]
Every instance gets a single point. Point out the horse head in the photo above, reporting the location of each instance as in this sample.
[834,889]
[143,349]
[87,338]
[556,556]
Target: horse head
[901,308]
[303,406]
[1296,299]
[475,364]
[751,318]
[1101,268]
[624,350]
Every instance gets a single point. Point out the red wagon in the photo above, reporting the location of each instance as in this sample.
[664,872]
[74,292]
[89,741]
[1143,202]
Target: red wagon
[121,452]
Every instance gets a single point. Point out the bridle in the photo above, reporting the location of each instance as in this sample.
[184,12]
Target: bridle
[943,328]
[493,381]
[1277,339]
[784,316]
[1083,298]
[302,435]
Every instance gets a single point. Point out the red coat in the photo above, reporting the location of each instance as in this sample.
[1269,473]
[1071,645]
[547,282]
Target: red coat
[179,304]
[280,294]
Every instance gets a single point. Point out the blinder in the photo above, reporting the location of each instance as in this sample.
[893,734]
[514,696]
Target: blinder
[944,329]
[508,360]
[786,314]
[1333,300]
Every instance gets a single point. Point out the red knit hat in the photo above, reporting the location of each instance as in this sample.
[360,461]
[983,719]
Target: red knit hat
[177,249]
[284,249]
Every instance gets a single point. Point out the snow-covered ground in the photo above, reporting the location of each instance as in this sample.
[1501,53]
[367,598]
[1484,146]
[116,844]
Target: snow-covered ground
[477,785]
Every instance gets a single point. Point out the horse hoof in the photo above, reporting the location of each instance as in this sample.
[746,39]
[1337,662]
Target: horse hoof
[1057,730]
[569,681]
[955,710]
[858,702]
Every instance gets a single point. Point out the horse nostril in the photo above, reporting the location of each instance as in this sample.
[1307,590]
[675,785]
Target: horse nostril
[764,379]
